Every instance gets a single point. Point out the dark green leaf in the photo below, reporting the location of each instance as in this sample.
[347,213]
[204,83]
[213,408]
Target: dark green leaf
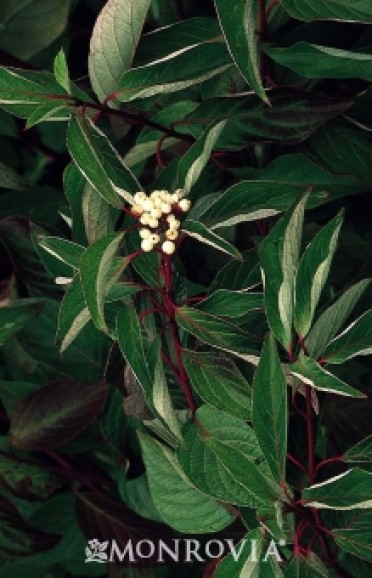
[315,375]
[217,380]
[100,163]
[347,491]
[312,274]
[357,11]
[201,233]
[270,413]
[361,452]
[354,340]
[231,303]
[217,332]
[238,23]
[279,254]
[313,61]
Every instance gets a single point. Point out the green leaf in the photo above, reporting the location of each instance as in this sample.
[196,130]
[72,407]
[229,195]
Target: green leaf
[238,23]
[241,563]
[163,402]
[355,538]
[332,319]
[279,254]
[357,11]
[132,346]
[270,413]
[244,471]
[29,27]
[354,340]
[113,43]
[201,233]
[100,163]
[347,491]
[252,200]
[74,183]
[217,380]
[97,275]
[23,91]
[98,215]
[231,303]
[62,249]
[313,61]
[312,274]
[175,72]
[73,314]
[315,375]
[194,161]
[209,473]
[217,332]
[179,503]
[13,318]
[178,35]
[61,73]
[361,452]
[47,111]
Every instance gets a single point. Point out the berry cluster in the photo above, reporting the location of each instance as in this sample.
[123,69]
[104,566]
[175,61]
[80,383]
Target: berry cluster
[158,215]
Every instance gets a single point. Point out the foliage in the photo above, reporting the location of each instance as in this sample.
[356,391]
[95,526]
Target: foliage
[185,320]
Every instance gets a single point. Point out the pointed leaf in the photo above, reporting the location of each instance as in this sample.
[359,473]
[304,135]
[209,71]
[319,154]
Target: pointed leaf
[175,72]
[332,319]
[238,23]
[231,303]
[194,161]
[73,314]
[279,254]
[312,274]
[217,332]
[174,495]
[217,380]
[361,452]
[355,340]
[270,413]
[27,480]
[131,344]
[61,73]
[100,163]
[163,402]
[201,233]
[313,61]
[96,275]
[347,491]
[310,372]
[13,318]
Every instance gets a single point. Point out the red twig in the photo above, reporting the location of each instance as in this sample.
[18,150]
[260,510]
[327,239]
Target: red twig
[270,7]
[328,461]
[296,462]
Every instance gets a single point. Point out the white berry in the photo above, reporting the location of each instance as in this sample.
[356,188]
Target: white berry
[154,238]
[146,245]
[153,222]
[168,247]
[184,205]
[145,233]
[166,208]
[144,220]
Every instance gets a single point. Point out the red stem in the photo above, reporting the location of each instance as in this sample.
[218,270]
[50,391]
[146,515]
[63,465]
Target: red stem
[170,308]
[296,462]
[328,461]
